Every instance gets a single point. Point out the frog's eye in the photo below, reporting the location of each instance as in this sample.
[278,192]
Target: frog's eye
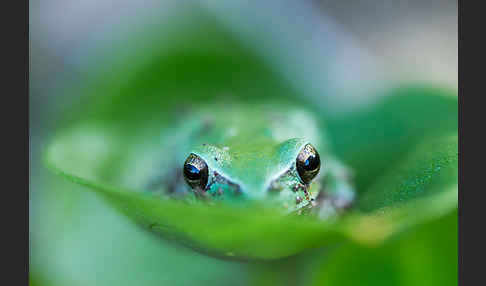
[308,163]
[195,172]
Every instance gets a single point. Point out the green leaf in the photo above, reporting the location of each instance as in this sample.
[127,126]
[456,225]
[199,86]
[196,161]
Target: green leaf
[426,255]
[374,139]
[231,233]
[219,231]
[424,173]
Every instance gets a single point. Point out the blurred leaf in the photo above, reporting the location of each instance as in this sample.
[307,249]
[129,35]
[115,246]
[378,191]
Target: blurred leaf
[425,172]
[198,60]
[426,255]
[77,240]
[373,140]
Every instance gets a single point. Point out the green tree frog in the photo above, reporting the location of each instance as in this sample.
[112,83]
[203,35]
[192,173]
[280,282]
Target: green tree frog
[270,153]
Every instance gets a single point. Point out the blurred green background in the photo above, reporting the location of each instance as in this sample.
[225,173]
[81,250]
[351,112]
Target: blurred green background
[383,75]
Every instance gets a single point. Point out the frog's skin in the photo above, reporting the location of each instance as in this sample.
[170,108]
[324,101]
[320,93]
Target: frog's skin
[250,151]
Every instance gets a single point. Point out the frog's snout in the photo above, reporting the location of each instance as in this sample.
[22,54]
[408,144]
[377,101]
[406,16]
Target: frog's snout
[291,193]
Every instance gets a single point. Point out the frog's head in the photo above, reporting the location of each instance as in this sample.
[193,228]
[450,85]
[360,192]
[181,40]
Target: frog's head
[280,174]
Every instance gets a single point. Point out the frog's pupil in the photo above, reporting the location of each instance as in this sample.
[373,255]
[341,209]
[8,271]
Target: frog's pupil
[192,173]
[311,163]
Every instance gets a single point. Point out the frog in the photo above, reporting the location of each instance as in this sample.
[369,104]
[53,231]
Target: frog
[273,153]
